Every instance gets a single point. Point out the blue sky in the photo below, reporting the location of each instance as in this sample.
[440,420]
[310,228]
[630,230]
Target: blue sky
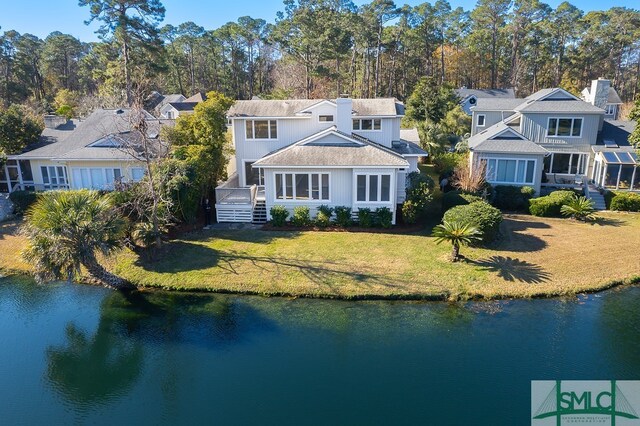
[40,17]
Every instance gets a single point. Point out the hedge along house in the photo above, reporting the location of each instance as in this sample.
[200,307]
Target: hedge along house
[554,139]
[93,153]
[342,152]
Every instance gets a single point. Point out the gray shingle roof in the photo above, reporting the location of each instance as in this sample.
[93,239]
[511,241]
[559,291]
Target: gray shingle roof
[575,106]
[356,152]
[617,131]
[511,146]
[408,148]
[410,135]
[491,132]
[183,106]
[464,93]
[289,108]
[71,140]
[613,98]
[497,104]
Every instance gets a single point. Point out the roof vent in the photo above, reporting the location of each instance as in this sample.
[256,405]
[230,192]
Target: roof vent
[119,111]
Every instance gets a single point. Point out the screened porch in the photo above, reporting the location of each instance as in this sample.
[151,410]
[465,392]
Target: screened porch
[617,170]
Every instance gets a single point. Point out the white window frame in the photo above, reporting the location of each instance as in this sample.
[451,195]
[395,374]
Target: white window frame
[103,171]
[333,118]
[65,176]
[320,200]
[610,109]
[244,173]
[367,187]
[373,124]
[253,130]
[583,162]
[558,126]
[495,173]
[484,120]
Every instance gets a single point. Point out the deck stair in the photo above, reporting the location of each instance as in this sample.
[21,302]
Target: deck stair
[260,212]
[597,198]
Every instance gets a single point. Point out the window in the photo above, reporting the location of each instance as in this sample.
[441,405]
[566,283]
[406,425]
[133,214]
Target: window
[325,118]
[261,129]
[96,178]
[566,127]
[569,163]
[373,188]
[302,186]
[481,118]
[510,171]
[367,124]
[137,173]
[170,115]
[252,176]
[54,176]
[610,109]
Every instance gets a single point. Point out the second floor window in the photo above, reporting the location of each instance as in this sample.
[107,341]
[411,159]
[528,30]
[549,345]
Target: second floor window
[481,120]
[261,129]
[610,109]
[325,118]
[571,127]
[367,124]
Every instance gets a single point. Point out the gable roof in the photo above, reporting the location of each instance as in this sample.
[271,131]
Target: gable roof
[559,106]
[500,129]
[497,104]
[515,146]
[613,97]
[73,140]
[464,93]
[289,108]
[198,97]
[355,152]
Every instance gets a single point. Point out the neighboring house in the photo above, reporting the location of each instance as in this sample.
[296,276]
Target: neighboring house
[173,110]
[95,153]
[155,101]
[612,104]
[469,97]
[342,152]
[552,138]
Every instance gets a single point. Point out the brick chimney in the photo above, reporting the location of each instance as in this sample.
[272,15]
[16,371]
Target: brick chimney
[53,121]
[599,93]
[344,112]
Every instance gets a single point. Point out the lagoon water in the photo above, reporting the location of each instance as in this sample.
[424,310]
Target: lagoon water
[73,354]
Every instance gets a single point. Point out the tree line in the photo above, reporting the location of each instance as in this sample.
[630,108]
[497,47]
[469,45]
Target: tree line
[322,48]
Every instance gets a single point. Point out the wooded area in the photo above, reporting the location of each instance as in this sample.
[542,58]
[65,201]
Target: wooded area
[320,48]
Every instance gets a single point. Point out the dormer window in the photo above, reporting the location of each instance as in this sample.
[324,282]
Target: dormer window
[367,124]
[261,129]
[565,127]
[325,118]
[481,118]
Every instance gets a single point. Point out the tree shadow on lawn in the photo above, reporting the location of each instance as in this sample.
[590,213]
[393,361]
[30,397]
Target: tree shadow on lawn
[11,227]
[242,235]
[513,236]
[608,221]
[511,269]
[181,256]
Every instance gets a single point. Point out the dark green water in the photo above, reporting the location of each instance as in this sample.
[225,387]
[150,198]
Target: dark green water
[83,355]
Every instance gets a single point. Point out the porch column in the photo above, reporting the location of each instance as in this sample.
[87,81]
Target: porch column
[633,178]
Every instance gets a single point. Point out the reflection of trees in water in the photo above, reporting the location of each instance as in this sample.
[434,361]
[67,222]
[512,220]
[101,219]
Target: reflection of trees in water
[620,324]
[90,369]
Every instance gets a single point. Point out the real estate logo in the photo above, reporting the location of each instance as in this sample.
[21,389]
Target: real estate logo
[597,402]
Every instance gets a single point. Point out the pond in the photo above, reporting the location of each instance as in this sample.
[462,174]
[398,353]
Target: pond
[80,354]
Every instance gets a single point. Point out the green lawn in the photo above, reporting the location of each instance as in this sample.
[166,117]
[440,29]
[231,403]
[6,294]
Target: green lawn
[535,257]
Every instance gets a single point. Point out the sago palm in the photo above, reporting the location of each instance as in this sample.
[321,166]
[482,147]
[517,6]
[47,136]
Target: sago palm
[67,229]
[458,234]
[579,208]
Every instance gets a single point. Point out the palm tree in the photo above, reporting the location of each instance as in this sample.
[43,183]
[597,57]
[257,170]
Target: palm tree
[67,229]
[579,208]
[458,234]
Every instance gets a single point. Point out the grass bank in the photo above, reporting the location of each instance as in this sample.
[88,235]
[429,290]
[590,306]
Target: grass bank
[537,257]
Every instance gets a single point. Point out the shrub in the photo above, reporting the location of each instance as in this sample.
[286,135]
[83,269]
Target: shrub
[447,162]
[608,197]
[421,195]
[512,198]
[579,208]
[416,178]
[279,215]
[470,178]
[365,219]
[343,216]
[22,200]
[550,205]
[322,219]
[456,198]
[301,216]
[384,217]
[410,212]
[326,210]
[625,202]
[479,214]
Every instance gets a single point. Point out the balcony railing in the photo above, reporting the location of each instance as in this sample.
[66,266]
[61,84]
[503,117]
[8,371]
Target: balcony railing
[230,192]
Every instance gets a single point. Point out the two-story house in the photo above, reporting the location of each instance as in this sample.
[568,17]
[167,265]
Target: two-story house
[552,138]
[342,152]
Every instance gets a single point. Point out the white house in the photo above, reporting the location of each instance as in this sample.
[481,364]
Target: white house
[553,138]
[342,152]
[94,153]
